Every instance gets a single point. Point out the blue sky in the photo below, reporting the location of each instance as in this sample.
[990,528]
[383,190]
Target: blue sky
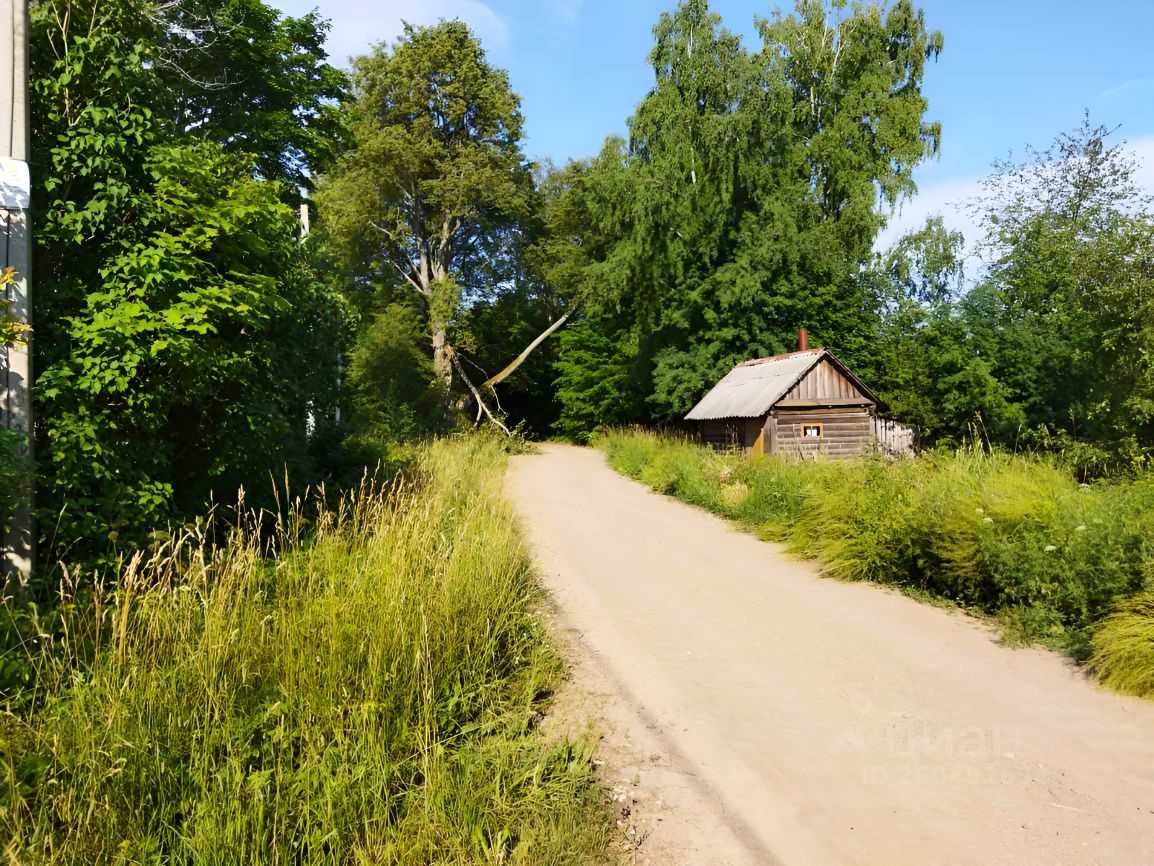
[1013,73]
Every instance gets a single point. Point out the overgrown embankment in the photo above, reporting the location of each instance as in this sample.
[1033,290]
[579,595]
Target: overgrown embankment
[368,695]
[1066,564]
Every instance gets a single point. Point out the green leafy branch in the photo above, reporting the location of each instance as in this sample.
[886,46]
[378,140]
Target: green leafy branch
[13,331]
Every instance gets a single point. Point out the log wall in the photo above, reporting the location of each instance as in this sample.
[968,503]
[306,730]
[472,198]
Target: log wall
[845,432]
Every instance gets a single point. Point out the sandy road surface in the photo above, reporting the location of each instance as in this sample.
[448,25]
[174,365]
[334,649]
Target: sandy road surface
[828,723]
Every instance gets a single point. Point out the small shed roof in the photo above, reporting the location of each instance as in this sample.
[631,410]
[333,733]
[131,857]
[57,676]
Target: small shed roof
[751,388]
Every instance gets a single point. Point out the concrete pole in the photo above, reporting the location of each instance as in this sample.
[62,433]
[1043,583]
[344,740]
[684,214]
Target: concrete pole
[16,411]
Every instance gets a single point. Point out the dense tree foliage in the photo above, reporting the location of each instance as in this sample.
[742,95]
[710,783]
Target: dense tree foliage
[188,343]
[925,362]
[253,80]
[429,194]
[744,203]
[1050,347]
[1066,304]
[184,345]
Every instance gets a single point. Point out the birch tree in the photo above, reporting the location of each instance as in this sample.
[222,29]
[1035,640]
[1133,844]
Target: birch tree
[746,201]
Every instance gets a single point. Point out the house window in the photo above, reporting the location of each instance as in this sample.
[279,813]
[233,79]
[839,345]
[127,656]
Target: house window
[811,431]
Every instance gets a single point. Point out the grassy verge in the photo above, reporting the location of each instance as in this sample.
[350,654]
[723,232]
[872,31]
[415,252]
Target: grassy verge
[368,695]
[1011,536]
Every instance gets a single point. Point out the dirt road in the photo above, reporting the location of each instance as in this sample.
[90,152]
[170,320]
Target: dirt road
[797,720]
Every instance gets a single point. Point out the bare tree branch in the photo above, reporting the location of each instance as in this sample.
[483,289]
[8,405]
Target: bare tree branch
[476,393]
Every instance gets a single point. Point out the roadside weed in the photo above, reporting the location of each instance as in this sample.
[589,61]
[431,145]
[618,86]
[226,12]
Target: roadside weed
[365,695]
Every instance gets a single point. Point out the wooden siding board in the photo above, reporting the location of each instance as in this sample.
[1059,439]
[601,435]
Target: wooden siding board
[826,411]
[826,403]
[859,421]
[847,444]
[829,435]
[823,417]
[824,382]
[795,433]
[795,430]
[827,427]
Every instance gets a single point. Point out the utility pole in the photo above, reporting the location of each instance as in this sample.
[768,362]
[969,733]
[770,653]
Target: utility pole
[15,193]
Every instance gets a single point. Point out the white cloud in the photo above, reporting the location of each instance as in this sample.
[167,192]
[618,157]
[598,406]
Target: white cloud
[952,200]
[949,199]
[356,27]
[1125,86]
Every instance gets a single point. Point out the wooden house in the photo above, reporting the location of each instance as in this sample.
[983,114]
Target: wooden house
[805,403]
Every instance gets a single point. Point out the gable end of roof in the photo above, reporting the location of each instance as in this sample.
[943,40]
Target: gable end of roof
[753,387]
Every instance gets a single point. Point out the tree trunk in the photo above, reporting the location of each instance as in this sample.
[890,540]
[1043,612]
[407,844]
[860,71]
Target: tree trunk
[520,359]
[442,356]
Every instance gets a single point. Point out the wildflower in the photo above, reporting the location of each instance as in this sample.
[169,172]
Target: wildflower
[1050,548]
[1080,527]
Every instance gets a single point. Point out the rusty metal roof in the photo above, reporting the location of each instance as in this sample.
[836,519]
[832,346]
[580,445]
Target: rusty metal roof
[751,388]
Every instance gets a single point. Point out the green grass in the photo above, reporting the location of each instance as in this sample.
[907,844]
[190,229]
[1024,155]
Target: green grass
[1011,536]
[1124,647]
[368,695]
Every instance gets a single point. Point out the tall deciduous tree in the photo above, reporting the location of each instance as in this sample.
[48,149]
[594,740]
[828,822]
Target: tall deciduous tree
[433,184]
[183,341]
[747,199]
[255,81]
[1051,347]
[1064,312]
[927,364]
[583,253]
[857,113]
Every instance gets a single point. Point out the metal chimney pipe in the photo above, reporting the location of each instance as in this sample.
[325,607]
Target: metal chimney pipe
[803,340]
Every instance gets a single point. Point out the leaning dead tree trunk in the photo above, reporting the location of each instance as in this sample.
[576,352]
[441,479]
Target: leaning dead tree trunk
[481,406]
[488,385]
[520,359]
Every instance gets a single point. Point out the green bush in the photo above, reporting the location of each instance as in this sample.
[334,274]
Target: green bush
[367,695]
[1009,535]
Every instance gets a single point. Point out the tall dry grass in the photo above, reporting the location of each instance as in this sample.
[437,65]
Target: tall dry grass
[366,695]
[1124,647]
[1009,535]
